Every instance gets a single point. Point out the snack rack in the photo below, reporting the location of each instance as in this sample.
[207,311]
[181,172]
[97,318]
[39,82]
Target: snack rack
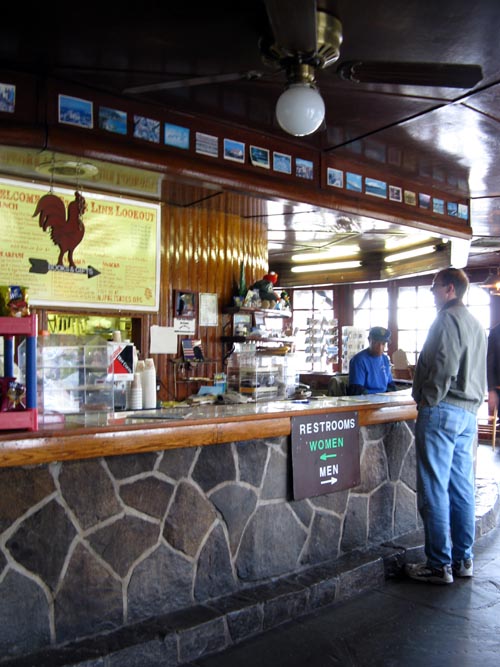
[20,326]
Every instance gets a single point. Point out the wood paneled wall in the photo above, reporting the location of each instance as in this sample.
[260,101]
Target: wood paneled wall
[202,249]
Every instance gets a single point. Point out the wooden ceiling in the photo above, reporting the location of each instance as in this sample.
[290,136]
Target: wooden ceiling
[450,133]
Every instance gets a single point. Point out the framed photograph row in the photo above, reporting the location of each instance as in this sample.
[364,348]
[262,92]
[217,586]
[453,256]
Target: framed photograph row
[374,187]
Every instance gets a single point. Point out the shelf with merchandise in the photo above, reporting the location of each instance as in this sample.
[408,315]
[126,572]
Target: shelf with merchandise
[269,330]
[193,372]
[27,418]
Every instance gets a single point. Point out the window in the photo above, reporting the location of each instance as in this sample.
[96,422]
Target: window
[315,330]
[416,312]
[478,302]
[371,307]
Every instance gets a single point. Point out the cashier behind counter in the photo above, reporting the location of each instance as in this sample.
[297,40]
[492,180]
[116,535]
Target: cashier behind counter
[370,369]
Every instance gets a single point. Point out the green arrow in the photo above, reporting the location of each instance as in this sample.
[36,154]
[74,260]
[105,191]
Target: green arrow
[323,457]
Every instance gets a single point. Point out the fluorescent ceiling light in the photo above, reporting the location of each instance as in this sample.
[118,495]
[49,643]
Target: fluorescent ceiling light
[399,242]
[410,254]
[333,253]
[332,266]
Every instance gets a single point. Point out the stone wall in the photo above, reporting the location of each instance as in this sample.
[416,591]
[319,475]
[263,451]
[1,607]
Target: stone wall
[87,547]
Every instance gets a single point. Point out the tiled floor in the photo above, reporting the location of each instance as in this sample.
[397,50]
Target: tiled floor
[402,624]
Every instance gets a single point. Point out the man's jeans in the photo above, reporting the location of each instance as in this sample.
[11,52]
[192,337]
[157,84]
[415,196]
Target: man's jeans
[444,438]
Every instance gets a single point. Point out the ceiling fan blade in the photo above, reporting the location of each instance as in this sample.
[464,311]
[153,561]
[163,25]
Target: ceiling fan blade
[293,23]
[412,74]
[194,81]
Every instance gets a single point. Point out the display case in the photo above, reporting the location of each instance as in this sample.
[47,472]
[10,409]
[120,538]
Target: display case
[73,374]
[9,328]
[260,376]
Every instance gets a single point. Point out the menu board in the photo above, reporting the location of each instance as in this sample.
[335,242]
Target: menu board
[95,252]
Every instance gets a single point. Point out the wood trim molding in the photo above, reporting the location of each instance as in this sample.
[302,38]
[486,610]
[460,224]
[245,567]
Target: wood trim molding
[65,444]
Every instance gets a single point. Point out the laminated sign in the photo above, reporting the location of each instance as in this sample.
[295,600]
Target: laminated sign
[325,453]
[79,249]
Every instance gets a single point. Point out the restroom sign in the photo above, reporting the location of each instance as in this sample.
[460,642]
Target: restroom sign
[325,453]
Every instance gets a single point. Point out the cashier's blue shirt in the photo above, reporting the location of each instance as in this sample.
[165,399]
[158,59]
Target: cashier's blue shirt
[370,373]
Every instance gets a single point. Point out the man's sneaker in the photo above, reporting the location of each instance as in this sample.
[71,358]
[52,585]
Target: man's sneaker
[432,575]
[463,568]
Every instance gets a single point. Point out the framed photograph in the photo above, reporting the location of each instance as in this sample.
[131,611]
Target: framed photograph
[185,304]
[147,129]
[395,193]
[424,200]
[206,144]
[438,206]
[259,157]
[112,120]
[209,313]
[452,208]
[463,211]
[176,135]
[7,97]
[75,111]
[410,198]
[353,182]
[242,324]
[304,168]
[185,311]
[282,163]
[335,177]
[376,188]
[234,150]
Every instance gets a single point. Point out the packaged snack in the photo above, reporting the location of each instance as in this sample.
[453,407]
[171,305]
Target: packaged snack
[14,301]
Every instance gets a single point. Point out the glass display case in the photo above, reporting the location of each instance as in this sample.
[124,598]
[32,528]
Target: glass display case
[260,376]
[73,374]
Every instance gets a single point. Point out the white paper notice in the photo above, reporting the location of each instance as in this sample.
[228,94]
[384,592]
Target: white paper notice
[163,340]
[185,325]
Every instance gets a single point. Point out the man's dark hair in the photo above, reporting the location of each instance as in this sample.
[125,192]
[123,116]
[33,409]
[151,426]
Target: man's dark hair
[455,277]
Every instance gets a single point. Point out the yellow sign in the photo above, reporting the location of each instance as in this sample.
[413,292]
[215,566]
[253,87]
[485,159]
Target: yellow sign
[99,252]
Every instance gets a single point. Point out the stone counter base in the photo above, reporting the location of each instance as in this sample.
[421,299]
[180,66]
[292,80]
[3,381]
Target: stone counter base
[180,637]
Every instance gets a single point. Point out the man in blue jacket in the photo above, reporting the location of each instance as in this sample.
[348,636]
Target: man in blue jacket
[449,385]
[370,369]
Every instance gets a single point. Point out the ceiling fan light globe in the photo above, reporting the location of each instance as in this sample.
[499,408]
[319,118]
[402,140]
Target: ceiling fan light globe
[300,109]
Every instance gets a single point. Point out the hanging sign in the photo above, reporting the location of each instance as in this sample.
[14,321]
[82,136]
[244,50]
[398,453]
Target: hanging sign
[325,453]
[79,249]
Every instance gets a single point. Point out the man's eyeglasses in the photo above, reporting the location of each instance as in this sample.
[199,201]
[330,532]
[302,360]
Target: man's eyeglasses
[435,286]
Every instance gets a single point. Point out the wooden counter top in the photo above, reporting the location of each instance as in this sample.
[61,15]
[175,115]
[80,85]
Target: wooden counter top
[109,434]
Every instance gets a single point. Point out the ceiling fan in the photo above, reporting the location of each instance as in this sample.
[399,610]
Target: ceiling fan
[306,39]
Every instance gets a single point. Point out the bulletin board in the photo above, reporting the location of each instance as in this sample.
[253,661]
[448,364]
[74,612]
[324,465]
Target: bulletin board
[115,262]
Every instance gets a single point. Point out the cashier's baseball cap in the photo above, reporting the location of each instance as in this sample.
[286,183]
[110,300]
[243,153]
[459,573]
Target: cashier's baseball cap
[379,334]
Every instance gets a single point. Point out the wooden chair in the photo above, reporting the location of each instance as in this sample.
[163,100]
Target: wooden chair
[487,426]
[401,369]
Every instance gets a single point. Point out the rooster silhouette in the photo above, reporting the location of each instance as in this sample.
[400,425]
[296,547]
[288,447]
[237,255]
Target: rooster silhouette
[68,232]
